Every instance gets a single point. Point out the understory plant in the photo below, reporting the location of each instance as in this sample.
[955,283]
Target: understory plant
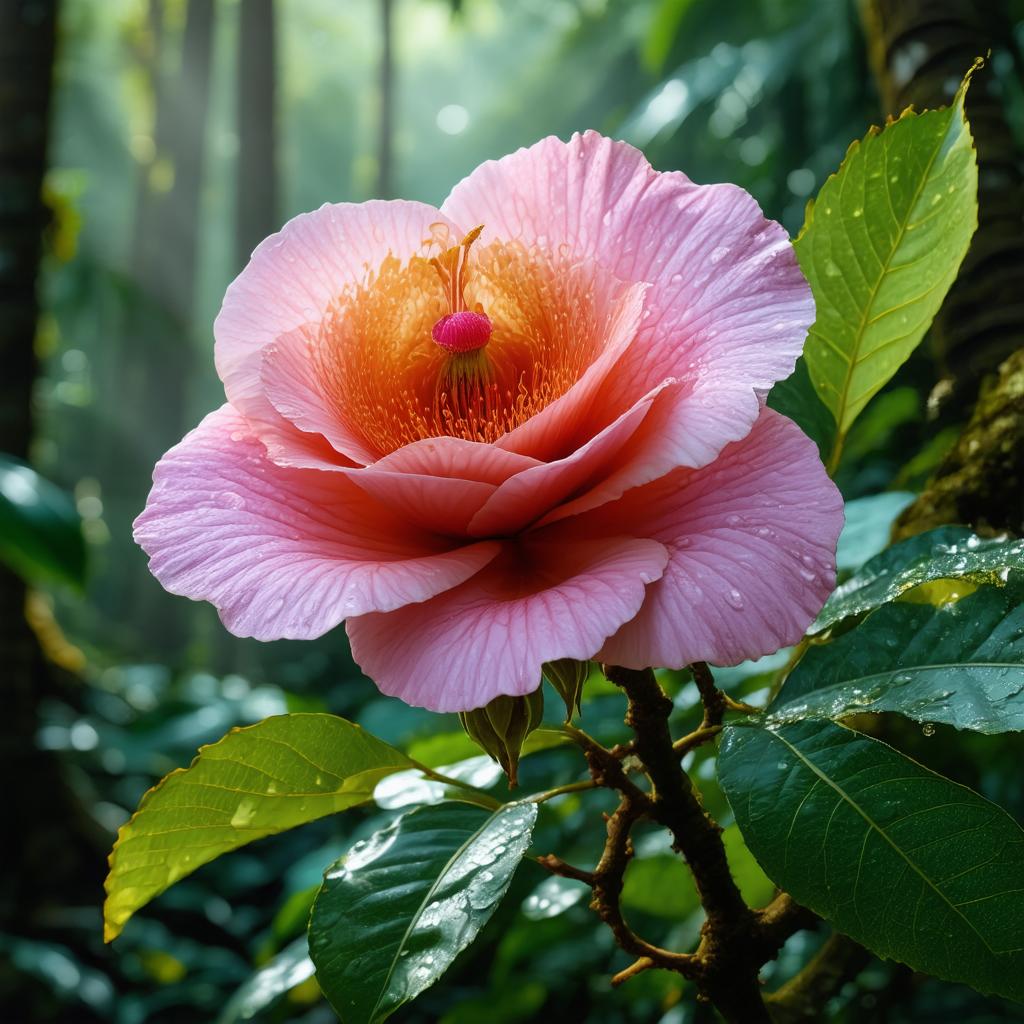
[579,425]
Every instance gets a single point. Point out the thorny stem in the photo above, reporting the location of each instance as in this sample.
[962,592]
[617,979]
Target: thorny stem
[736,941]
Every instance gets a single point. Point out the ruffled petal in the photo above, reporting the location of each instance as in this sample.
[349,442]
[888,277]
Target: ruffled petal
[532,493]
[294,275]
[284,552]
[440,483]
[752,542]
[726,306]
[287,372]
[535,603]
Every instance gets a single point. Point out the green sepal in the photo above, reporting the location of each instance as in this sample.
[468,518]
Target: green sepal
[567,676]
[502,726]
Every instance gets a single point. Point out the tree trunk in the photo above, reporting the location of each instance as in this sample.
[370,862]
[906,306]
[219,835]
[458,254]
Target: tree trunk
[45,861]
[158,356]
[256,215]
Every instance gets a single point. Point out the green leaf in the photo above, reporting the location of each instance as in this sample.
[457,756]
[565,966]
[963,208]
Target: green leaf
[554,896]
[40,530]
[265,778]
[960,664]
[950,552]
[397,909]
[868,525]
[663,32]
[796,398]
[911,865]
[881,245]
[661,886]
[288,969]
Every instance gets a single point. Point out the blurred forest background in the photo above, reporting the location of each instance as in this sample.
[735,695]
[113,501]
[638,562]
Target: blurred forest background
[180,133]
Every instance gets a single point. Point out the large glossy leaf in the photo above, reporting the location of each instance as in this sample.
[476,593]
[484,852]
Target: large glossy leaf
[289,968]
[961,664]
[397,909]
[868,526]
[796,398]
[881,245]
[908,863]
[256,781]
[40,530]
[950,552]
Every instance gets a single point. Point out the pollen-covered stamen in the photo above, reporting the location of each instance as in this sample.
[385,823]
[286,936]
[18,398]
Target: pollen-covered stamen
[466,392]
[451,268]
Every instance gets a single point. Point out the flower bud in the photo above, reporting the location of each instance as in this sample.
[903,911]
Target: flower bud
[502,726]
[567,676]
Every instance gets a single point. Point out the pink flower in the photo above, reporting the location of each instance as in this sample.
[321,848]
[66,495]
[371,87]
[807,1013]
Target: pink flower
[529,425]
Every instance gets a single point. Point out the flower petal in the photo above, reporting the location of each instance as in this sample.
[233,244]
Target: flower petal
[294,275]
[439,483]
[727,306]
[284,552]
[287,372]
[536,602]
[534,492]
[752,542]
[567,423]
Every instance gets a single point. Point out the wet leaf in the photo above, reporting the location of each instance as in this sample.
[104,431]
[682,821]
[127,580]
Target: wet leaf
[904,861]
[288,969]
[397,909]
[257,781]
[950,552]
[554,896]
[40,530]
[959,664]
[868,526]
[881,245]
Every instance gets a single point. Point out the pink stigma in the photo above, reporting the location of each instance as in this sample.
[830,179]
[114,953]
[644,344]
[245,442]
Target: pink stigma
[462,332]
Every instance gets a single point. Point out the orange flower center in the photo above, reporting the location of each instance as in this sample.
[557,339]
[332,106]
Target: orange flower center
[412,354]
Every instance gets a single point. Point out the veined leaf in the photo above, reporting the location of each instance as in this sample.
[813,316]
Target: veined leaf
[961,664]
[40,530]
[397,909]
[881,245]
[256,781]
[947,553]
[904,861]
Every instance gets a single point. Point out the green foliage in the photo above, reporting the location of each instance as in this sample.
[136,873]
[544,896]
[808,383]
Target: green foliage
[567,676]
[281,974]
[881,246]
[960,663]
[796,398]
[257,781]
[868,525]
[502,726]
[397,909]
[946,553]
[911,865]
[40,531]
